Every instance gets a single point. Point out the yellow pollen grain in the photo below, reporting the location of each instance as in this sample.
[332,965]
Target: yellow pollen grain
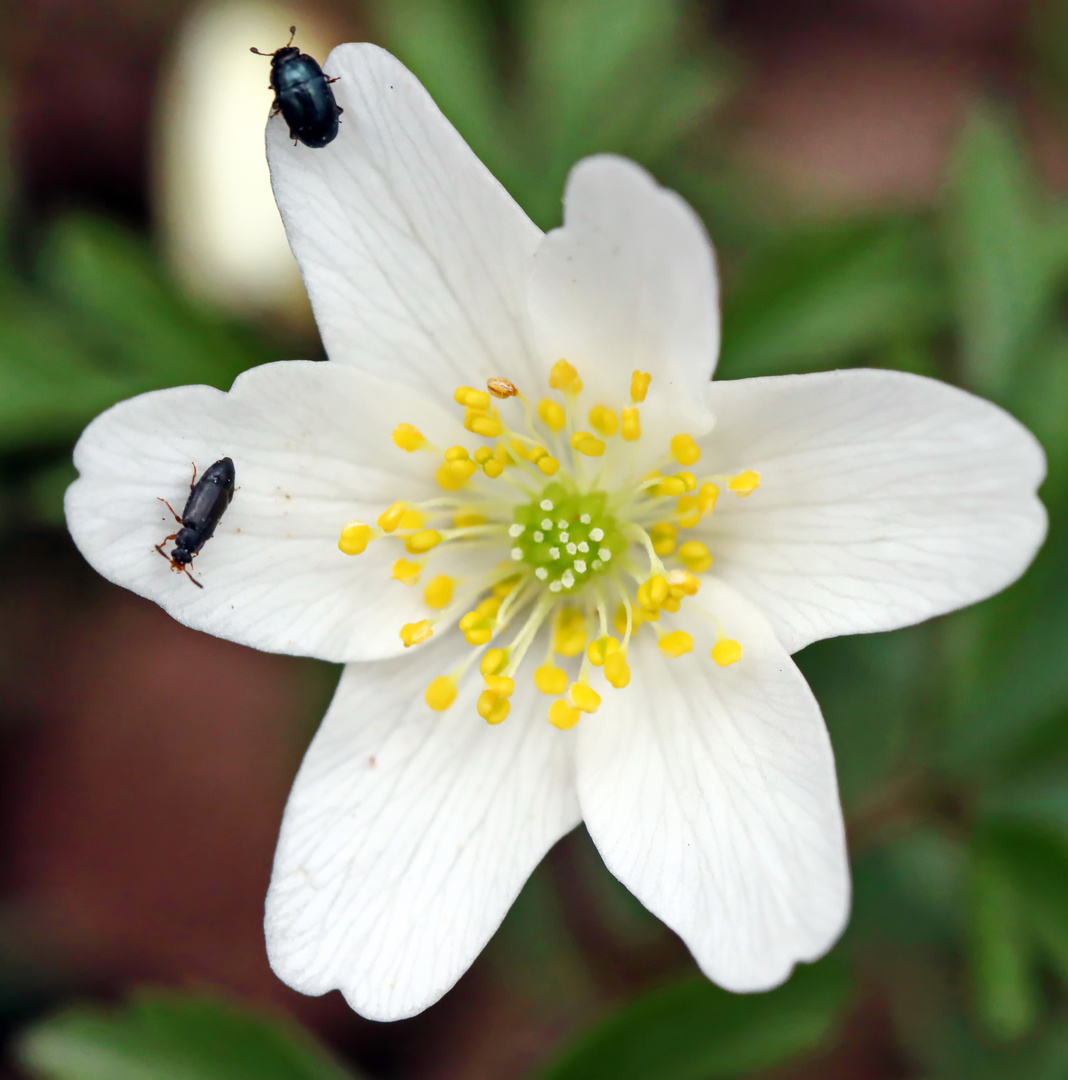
[550,679]
[408,438]
[689,510]
[471,398]
[354,538]
[677,643]
[706,498]
[745,483]
[630,425]
[438,592]
[587,444]
[415,632]
[501,685]
[663,535]
[422,541]
[694,556]
[584,697]
[726,651]
[548,465]
[617,671]
[501,388]
[441,693]
[639,386]
[564,377]
[552,414]
[681,583]
[597,652]
[493,708]
[406,571]
[563,716]
[684,450]
[604,420]
[390,518]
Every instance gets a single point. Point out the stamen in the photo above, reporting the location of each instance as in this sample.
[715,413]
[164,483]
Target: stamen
[639,386]
[493,661]
[563,716]
[550,679]
[587,444]
[493,708]
[600,650]
[689,510]
[726,651]
[390,518]
[354,538]
[745,483]
[684,450]
[406,571]
[471,398]
[630,425]
[489,427]
[582,696]
[604,420]
[467,519]
[421,542]
[569,633]
[408,438]
[663,535]
[695,556]
[564,377]
[438,592]
[441,693]
[706,498]
[675,644]
[501,388]
[415,633]
[552,414]
[617,671]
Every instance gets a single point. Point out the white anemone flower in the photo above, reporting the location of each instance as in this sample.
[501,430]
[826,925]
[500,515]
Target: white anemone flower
[572,569]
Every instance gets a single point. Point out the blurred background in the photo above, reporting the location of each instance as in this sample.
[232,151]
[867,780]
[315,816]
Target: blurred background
[885,181]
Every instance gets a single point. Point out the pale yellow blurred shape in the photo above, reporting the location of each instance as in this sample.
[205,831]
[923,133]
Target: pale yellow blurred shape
[219,224]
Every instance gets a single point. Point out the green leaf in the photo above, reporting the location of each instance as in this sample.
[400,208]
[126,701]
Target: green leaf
[999,253]
[695,1031]
[164,1035]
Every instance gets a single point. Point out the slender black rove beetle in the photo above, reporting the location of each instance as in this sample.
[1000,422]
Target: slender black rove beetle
[303,96]
[208,499]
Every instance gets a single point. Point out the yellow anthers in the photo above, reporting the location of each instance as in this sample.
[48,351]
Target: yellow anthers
[482,455]
[552,414]
[501,388]
[639,386]
[604,420]
[415,632]
[467,519]
[671,485]
[684,450]
[706,498]
[688,479]
[493,662]
[672,604]
[548,465]
[500,452]
[550,679]
[457,453]
[584,697]
[587,444]
[354,538]
[447,479]
[408,438]
[663,535]
[745,483]
[569,633]
[564,377]
[677,643]
[412,519]
[726,651]
[421,542]
[458,461]
[476,628]
[493,708]
[537,453]
[620,620]
[389,519]
[630,425]
[694,556]
[616,670]
[501,685]
[441,693]
[489,607]
[563,716]
[519,448]
[689,510]
[489,427]
[681,584]
[493,469]
[471,398]
[653,593]
[506,586]
[438,592]
[597,652]
[406,571]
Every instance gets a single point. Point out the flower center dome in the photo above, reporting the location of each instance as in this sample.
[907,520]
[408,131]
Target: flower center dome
[574,544]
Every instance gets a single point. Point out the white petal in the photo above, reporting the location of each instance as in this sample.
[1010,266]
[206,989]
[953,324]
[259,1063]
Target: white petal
[408,835]
[884,499]
[710,793]
[415,258]
[629,282]
[312,450]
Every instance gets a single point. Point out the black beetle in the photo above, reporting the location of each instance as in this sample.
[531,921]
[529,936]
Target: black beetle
[208,499]
[303,96]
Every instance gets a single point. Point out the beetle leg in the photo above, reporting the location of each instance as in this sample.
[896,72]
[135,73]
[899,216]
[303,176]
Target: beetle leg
[335,79]
[193,579]
[173,511]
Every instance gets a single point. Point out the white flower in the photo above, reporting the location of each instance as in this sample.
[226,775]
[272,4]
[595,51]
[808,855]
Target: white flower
[791,509]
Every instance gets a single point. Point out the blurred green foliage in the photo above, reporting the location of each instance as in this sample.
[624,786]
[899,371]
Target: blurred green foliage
[951,738]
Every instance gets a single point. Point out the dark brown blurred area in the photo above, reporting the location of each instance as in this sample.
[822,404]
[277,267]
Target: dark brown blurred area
[146,765]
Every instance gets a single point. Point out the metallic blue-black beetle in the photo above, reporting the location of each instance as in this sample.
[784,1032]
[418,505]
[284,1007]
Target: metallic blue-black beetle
[302,95]
[208,499]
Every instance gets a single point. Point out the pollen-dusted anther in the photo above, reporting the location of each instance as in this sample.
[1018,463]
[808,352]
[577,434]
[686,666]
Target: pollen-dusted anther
[408,438]
[694,556]
[421,542]
[471,398]
[663,535]
[493,662]
[653,593]
[489,427]
[630,425]
[551,414]
[688,479]
[406,571]
[501,685]
[726,651]
[584,697]
[493,708]
[587,444]
[604,420]
[501,388]
[354,538]
[639,386]
[597,652]
[414,633]
[441,693]
[617,670]
[550,679]
[563,716]
[677,643]
[684,450]
[569,633]
[438,592]
[390,518]
[745,483]
[688,509]
[671,485]
[706,498]
[681,583]
[564,377]
[476,628]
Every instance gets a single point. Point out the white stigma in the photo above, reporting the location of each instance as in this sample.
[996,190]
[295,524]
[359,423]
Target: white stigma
[515,530]
[597,535]
[546,504]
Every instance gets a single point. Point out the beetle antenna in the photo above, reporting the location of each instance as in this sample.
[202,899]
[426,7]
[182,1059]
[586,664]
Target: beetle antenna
[193,579]
[292,35]
[258,53]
